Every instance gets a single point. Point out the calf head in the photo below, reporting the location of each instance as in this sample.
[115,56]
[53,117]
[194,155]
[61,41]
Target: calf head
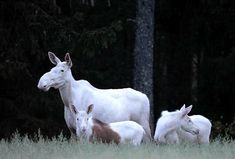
[83,127]
[185,121]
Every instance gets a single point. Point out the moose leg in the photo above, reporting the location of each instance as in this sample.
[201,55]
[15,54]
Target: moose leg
[73,133]
[145,124]
[142,119]
[69,120]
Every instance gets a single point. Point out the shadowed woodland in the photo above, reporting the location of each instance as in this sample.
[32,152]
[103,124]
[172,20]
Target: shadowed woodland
[193,60]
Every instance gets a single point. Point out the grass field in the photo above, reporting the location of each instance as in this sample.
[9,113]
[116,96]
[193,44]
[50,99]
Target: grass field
[61,148]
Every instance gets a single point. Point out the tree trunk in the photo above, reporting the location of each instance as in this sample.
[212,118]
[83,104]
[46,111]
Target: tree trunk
[143,51]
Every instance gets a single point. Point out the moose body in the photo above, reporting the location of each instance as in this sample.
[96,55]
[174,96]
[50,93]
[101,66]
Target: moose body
[94,130]
[111,105]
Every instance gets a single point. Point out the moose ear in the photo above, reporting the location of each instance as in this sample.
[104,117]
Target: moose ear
[184,111]
[189,108]
[68,60]
[182,108]
[73,109]
[90,108]
[53,58]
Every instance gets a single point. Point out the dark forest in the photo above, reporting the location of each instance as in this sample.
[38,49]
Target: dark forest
[193,57]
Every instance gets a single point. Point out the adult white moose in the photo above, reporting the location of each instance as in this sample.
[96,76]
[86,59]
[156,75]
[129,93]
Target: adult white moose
[111,105]
[177,127]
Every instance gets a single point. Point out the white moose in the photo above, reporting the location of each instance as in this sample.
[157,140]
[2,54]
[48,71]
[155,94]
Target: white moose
[110,105]
[93,130]
[177,127]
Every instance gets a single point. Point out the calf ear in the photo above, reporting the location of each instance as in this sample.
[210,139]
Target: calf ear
[189,108]
[73,109]
[53,58]
[184,111]
[68,60]
[182,108]
[90,108]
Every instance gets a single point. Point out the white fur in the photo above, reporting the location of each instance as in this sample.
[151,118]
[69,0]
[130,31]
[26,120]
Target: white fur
[168,124]
[204,126]
[129,131]
[111,105]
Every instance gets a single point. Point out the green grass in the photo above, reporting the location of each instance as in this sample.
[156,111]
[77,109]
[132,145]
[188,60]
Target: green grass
[61,148]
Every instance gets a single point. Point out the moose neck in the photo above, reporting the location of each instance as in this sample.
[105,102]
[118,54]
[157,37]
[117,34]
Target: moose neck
[65,90]
[173,123]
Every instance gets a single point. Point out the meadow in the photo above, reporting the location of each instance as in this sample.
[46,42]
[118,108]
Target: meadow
[62,148]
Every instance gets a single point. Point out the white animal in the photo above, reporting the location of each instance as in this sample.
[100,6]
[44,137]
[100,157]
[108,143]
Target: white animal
[170,122]
[92,129]
[111,105]
[204,126]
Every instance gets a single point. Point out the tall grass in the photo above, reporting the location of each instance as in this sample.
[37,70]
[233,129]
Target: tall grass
[61,148]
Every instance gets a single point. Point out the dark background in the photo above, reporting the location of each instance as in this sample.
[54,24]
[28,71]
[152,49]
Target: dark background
[194,57]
